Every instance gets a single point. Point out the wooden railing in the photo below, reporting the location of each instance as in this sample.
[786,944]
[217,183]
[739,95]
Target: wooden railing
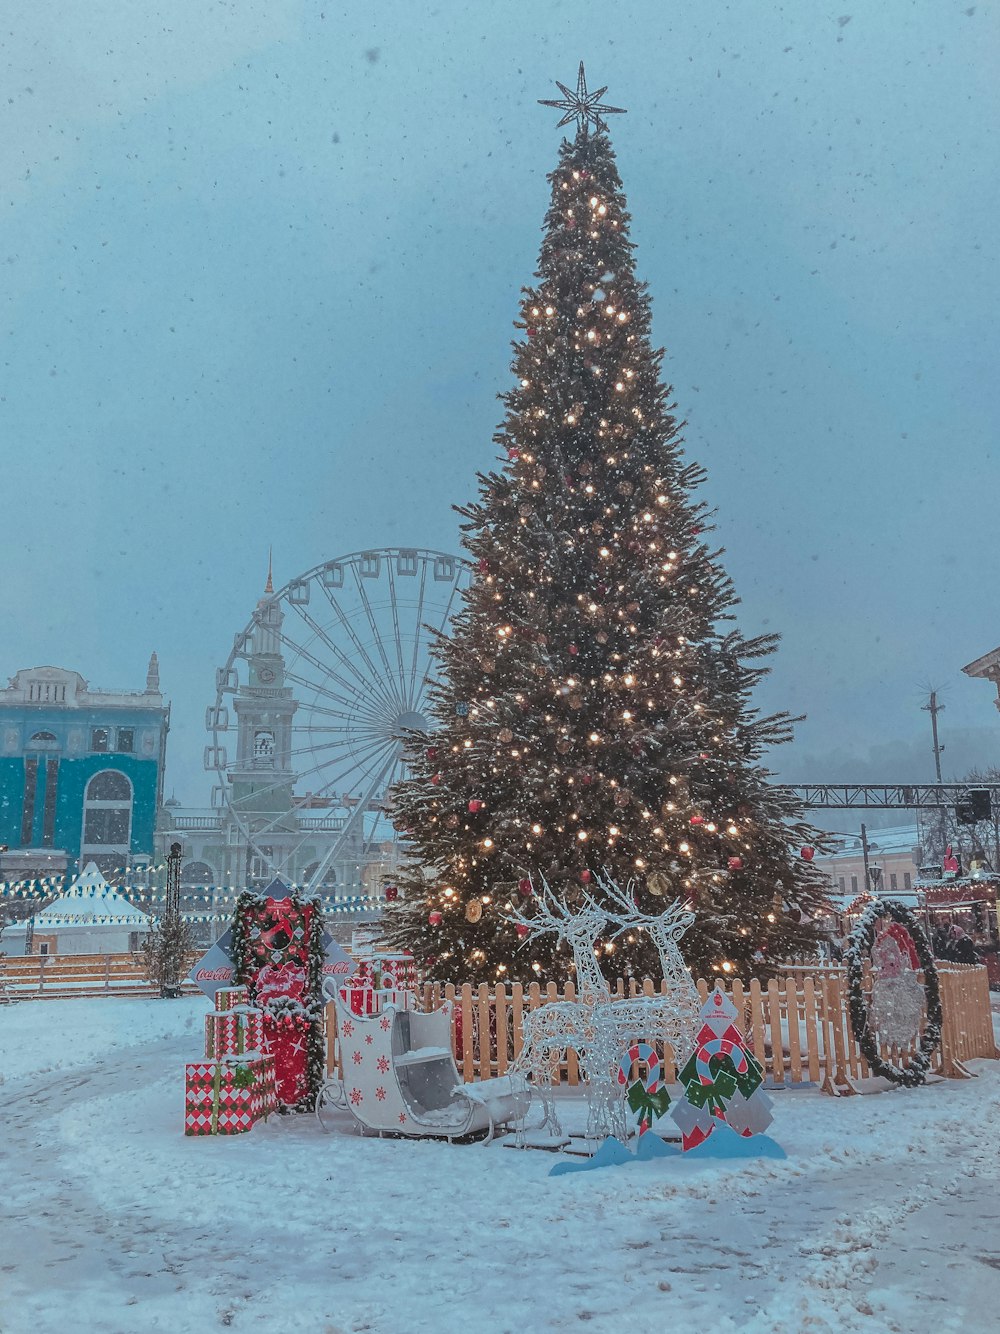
[798,1026]
[57,976]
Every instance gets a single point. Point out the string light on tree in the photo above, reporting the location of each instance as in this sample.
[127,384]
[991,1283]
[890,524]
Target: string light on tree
[594,695]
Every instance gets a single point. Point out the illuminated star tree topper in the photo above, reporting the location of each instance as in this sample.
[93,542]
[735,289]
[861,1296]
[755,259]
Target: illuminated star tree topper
[581,106]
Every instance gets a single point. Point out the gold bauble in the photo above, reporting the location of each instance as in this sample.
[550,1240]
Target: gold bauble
[658,884]
[505,736]
[473,910]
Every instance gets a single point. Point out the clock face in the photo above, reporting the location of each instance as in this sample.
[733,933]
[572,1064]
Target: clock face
[265,674]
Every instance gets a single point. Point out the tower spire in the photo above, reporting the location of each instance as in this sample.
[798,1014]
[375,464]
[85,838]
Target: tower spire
[153,675]
[269,586]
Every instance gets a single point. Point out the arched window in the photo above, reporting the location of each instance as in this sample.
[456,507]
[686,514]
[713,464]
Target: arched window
[196,874]
[107,818]
[327,885]
[197,879]
[43,741]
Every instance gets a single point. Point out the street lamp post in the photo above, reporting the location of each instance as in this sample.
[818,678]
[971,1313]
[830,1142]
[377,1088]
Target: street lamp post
[170,987]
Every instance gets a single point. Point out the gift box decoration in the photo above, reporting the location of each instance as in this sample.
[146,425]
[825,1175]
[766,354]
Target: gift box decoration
[234,1032]
[359,998]
[384,971]
[402,1000]
[228,1096]
[228,998]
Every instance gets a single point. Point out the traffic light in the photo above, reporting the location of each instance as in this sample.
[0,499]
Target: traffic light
[974,806]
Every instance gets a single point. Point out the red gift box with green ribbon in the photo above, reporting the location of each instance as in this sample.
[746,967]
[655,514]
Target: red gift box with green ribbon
[234,1032]
[227,1097]
[228,998]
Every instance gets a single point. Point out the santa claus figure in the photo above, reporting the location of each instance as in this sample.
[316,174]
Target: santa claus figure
[897,996]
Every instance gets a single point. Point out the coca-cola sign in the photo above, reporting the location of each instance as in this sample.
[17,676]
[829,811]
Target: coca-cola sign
[215,968]
[214,974]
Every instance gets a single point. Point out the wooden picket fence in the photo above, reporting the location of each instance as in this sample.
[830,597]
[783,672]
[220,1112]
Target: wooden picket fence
[58,976]
[797,1025]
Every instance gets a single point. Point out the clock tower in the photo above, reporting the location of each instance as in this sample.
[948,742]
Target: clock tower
[262,776]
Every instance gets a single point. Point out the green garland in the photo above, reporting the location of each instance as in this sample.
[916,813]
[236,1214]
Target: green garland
[862,940]
[312,1009]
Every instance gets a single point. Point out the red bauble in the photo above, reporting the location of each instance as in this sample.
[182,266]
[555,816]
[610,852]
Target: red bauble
[524,888]
[807,854]
[513,455]
[435,778]
[735,863]
[697,819]
[435,918]
[391,893]
[521,930]
[585,877]
[475,805]
[573,649]
[432,753]
[531,333]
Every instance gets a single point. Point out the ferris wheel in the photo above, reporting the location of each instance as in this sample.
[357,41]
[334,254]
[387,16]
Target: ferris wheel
[311,702]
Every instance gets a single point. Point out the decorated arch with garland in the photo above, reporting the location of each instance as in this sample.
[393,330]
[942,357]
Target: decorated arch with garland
[891,953]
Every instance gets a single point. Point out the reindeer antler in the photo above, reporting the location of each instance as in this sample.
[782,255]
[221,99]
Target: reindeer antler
[674,918]
[554,915]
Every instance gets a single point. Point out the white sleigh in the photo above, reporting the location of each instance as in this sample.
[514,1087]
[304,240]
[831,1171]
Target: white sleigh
[400,1077]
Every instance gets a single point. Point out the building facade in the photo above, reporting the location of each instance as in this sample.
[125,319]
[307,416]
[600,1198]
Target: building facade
[81,773]
[892,856]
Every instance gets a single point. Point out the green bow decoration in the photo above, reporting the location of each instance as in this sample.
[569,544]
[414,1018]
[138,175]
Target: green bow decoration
[243,1077]
[649,1106]
[714,1096]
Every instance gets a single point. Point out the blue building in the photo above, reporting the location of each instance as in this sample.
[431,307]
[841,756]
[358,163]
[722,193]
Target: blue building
[81,773]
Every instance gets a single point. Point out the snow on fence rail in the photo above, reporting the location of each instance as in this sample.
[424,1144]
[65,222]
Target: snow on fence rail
[798,1025]
[57,976]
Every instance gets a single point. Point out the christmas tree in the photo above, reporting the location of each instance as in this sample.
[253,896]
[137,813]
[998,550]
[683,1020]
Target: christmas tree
[594,694]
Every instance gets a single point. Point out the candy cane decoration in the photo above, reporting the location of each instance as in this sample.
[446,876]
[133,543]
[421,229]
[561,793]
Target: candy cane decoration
[647,1097]
[719,1047]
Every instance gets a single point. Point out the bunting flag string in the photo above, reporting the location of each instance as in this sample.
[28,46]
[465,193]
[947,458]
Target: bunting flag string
[50,888]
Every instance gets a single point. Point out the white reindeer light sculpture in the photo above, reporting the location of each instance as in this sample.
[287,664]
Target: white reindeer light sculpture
[550,1031]
[595,1025]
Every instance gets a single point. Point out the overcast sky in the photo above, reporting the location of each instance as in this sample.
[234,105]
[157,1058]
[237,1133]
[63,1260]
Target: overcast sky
[260,267]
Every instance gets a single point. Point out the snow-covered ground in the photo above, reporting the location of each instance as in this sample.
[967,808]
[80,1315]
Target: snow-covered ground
[883,1218]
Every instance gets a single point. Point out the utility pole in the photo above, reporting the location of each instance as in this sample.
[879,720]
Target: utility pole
[864,853]
[934,708]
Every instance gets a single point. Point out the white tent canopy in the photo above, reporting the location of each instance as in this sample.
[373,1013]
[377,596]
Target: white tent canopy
[90,901]
[90,916]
